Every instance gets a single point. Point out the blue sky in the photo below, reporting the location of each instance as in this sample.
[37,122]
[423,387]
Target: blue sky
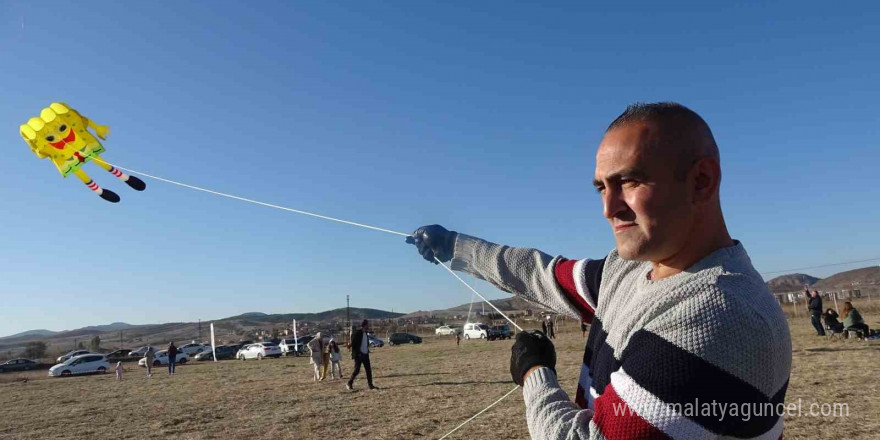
[481,116]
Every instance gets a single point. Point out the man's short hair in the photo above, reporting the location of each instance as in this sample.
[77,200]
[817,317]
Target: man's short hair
[365,323]
[681,130]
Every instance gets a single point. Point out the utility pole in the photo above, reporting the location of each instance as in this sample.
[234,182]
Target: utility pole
[120,339]
[200,330]
[347,319]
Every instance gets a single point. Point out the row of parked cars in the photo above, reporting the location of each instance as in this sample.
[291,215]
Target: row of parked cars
[477,331]
[87,362]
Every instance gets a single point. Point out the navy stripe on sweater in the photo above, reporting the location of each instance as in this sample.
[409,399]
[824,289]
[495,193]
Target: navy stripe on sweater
[677,376]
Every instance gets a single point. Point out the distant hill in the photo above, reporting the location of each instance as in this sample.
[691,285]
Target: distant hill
[791,282]
[504,304]
[38,333]
[329,315]
[232,328]
[851,279]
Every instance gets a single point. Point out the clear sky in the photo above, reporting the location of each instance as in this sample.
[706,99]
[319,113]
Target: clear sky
[481,116]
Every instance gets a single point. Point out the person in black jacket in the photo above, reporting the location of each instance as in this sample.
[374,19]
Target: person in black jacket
[172,358]
[360,352]
[815,308]
[832,322]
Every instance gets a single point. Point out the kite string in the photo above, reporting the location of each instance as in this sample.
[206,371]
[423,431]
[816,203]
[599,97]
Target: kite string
[284,208]
[478,294]
[257,202]
[481,412]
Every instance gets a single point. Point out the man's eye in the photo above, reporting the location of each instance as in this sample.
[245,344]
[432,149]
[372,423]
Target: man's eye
[50,138]
[62,127]
[600,189]
[630,183]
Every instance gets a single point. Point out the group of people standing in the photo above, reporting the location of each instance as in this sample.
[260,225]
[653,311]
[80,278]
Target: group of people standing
[324,352]
[150,357]
[852,319]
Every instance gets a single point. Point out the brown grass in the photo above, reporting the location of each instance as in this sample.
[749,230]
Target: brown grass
[426,390]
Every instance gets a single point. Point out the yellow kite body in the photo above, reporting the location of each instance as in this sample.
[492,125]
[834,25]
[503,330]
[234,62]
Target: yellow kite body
[62,134]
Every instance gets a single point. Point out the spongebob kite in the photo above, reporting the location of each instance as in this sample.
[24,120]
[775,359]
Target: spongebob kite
[61,134]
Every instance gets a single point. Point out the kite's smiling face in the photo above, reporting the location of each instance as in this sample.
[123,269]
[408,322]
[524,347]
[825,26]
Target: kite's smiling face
[58,134]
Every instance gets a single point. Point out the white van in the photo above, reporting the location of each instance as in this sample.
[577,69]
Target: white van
[475,331]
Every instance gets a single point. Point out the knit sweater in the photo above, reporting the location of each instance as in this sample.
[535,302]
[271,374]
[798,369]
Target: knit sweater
[659,352]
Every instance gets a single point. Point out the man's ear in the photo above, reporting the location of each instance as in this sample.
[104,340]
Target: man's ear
[705,179]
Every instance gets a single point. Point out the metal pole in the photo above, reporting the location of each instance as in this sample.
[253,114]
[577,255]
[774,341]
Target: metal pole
[200,331]
[295,340]
[347,319]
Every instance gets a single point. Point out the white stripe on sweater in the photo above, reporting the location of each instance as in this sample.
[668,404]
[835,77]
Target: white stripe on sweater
[580,283]
[655,411]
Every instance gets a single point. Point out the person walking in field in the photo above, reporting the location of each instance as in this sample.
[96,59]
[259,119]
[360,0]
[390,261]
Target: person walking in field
[172,358]
[150,357]
[457,339]
[815,308]
[335,359]
[679,316]
[119,370]
[316,354]
[360,352]
[583,329]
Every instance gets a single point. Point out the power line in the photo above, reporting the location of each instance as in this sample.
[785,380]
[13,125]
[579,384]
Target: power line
[822,265]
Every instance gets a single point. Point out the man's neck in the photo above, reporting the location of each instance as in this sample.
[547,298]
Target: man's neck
[697,249]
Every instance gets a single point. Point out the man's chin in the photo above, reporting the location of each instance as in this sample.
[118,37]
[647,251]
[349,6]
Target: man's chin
[632,252]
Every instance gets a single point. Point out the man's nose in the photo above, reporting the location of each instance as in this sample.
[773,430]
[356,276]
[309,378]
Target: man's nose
[612,203]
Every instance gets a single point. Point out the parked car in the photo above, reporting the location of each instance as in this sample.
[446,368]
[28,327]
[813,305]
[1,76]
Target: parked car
[140,351]
[291,346]
[258,351]
[403,338]
[65,357]
[17,365]
[374,341]
[476,331]
[499,332]
[446,330]
[194,348]
[223,352]
[120,355]
[241,344]
[162,359]
[83,364]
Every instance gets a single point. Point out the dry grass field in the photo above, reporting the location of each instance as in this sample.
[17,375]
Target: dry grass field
[426,390]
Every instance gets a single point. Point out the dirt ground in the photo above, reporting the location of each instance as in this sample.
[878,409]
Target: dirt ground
[426,391]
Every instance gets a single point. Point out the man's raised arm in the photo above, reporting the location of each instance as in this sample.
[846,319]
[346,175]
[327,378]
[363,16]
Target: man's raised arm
[569,287]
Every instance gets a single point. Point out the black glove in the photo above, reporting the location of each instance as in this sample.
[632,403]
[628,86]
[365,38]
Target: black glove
[532,349]
[434,241]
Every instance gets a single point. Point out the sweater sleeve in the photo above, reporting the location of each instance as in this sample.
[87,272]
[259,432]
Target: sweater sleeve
[568,287]
[550,414]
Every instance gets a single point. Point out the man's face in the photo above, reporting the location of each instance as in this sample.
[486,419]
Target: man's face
[645,204]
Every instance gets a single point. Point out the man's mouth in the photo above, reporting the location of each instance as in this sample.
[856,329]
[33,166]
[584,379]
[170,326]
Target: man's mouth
[623,227]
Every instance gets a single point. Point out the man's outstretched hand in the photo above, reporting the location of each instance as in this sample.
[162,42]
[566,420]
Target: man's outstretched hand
[434,241]
[532,349]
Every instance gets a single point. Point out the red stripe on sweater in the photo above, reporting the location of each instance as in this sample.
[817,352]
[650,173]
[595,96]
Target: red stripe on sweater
[564,274]
[617,421]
